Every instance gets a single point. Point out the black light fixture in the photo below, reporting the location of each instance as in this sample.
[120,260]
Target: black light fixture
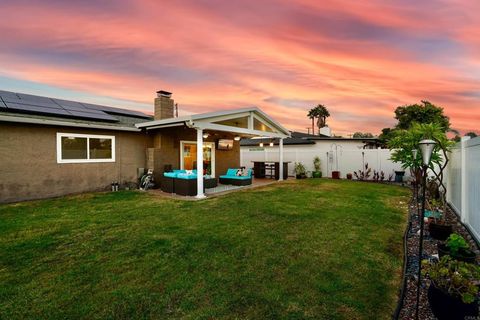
[426,147]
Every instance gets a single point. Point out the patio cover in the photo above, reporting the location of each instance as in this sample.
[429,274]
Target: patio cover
[248,122]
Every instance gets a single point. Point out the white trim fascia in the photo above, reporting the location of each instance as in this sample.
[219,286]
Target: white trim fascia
[64,123]
[160,126]
[216,114]
[229,117]
[191,117]
[163,122]
[88,136]
[219,127]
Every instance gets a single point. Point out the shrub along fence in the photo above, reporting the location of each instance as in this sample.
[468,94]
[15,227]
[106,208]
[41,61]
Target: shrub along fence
[463,183]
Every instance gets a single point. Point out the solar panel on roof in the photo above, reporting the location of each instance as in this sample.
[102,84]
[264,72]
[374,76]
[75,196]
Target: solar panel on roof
[31,99]
[36,104]
[82,109]
[68,103]
[116,110]
[40,103]
[38,109]
[90,115]
[6,94]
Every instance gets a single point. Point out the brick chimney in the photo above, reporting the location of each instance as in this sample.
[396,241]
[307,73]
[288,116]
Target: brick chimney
[164,105]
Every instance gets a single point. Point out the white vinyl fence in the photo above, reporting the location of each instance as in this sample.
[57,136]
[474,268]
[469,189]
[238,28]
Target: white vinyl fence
[463,183]
[342,159]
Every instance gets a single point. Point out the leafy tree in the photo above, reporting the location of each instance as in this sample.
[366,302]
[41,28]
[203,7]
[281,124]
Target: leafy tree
[386,135]
[362,135]
[425,112]
[471,134]
[405,141]
[320,112]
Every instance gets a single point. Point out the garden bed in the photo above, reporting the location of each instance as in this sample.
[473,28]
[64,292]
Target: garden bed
[407,302]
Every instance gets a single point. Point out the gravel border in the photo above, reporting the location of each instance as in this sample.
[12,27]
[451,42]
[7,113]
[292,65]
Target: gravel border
[407,301]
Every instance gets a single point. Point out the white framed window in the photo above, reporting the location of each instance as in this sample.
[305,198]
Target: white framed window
[81,148]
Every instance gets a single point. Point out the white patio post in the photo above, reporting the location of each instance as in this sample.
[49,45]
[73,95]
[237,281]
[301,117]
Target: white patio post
[200,193]
[280,169]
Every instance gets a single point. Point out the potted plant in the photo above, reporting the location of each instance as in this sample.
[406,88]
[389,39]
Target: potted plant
[453,291]
[437,227]
[300,171]
[335,174]
[349,176]
[317,164]
[457,248]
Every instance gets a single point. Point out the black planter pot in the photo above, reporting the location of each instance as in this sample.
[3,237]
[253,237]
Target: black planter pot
[335,174]
[439,231]
[301,176]
[399,176]
[449,308]
[463,255]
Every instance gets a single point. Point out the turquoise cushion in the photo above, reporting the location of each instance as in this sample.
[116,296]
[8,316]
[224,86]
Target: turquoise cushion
[179,171]
[169,174]
[231,172]
[186,176]
[239,177]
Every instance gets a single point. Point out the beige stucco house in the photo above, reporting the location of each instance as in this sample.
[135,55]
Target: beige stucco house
[51,147]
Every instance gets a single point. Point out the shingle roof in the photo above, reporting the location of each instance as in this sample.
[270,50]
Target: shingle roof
[298,138]
[295,139]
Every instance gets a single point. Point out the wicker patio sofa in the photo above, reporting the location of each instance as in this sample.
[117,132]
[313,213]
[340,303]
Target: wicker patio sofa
[232,178]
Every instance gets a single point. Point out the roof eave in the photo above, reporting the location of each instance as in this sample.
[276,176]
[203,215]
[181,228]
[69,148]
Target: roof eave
[27,120]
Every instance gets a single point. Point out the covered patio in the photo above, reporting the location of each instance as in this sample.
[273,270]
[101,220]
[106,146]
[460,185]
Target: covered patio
[179,140]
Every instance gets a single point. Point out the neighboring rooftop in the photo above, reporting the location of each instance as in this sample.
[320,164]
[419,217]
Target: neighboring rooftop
[27,108]
[298,138]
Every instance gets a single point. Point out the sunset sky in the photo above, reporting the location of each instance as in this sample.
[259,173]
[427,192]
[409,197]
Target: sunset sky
[361,59]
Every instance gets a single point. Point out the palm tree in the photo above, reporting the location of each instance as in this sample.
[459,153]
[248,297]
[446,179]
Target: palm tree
[321,113]
[312,114]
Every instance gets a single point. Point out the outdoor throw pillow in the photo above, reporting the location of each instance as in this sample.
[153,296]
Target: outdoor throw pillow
[239,172]
[188,172]
[245,173]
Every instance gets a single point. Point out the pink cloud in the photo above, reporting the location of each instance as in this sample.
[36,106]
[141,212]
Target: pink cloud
[361,59]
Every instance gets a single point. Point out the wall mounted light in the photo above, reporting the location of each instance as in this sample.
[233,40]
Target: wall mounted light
[236,138]
[205,135]
[261,144]
[271,144]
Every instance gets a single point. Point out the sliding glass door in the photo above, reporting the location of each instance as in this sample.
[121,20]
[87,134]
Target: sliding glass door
[188,156]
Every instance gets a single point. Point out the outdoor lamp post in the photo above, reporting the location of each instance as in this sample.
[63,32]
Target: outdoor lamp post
[426,147]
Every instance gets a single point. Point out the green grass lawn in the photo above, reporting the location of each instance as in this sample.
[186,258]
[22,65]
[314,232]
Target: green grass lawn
[298,250]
